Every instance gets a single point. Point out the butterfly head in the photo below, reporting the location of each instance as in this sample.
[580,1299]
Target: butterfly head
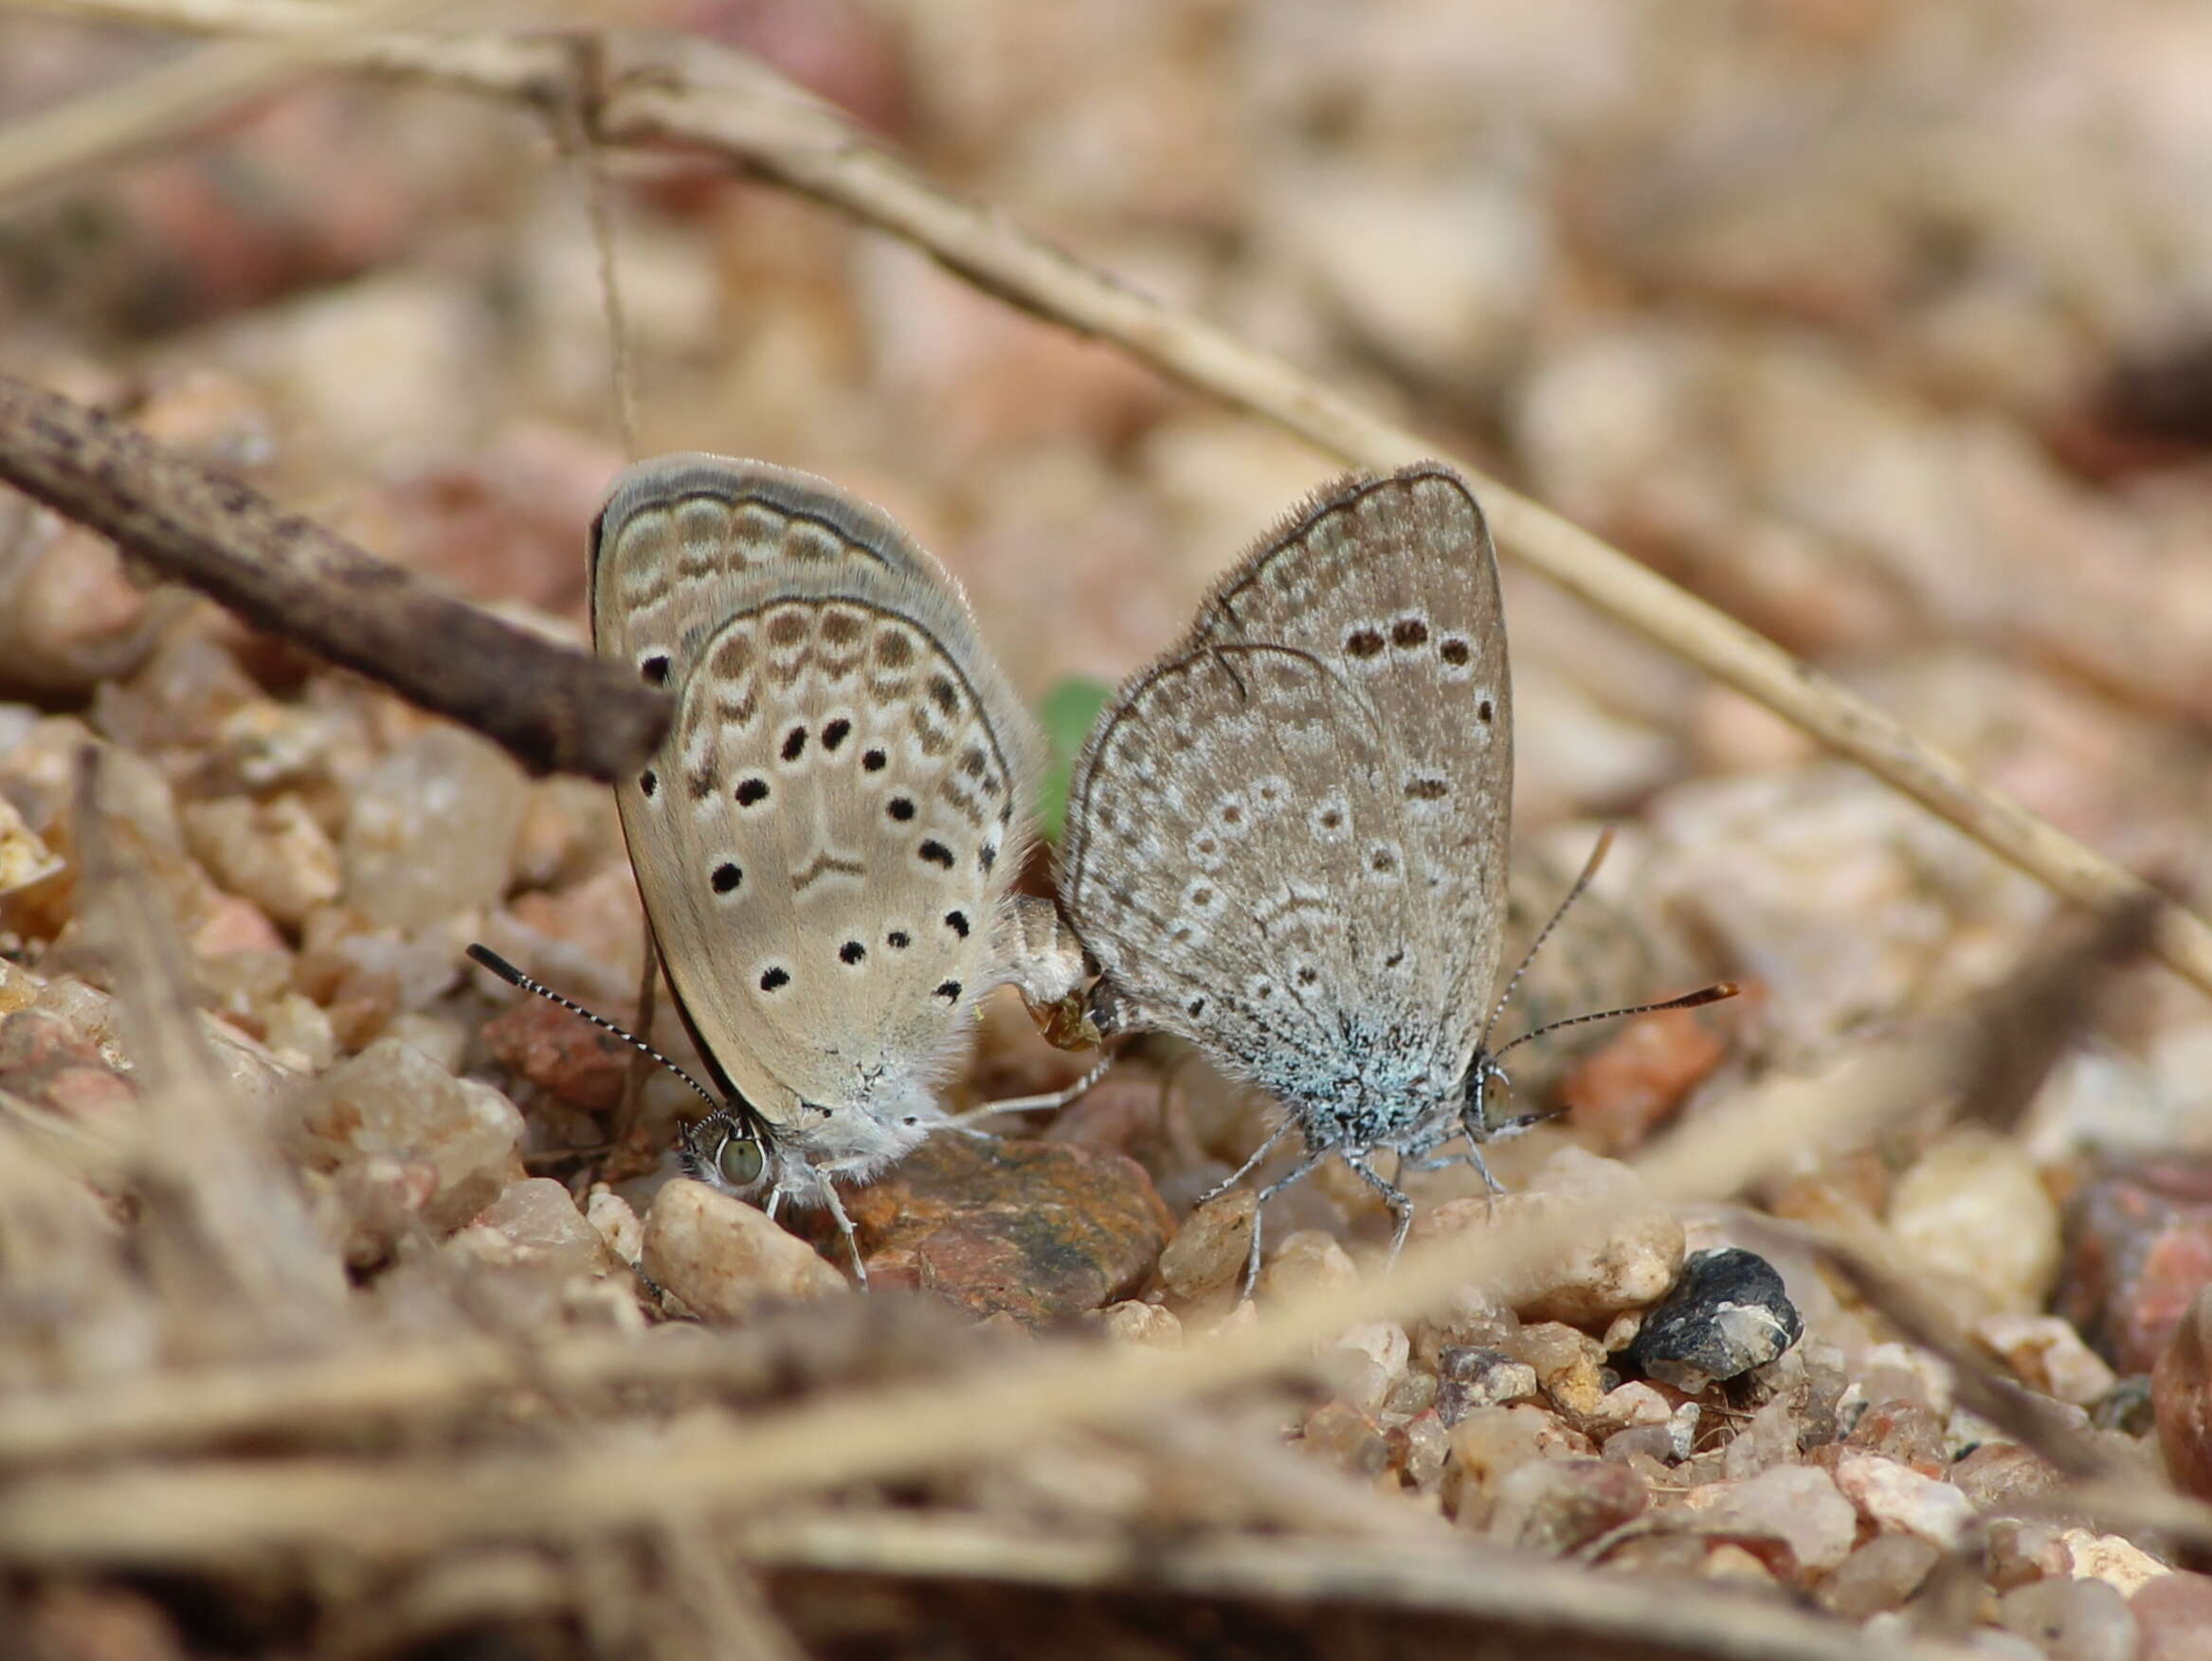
[730,1149]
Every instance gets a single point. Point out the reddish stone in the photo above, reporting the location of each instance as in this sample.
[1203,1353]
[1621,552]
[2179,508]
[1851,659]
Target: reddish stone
[1039,1231]
[560,1051]
[1905,1431]
[2138,1247]
[2004,1476]
[2173,1617]
[2181,1396]
[1554,1506]
[46,1061]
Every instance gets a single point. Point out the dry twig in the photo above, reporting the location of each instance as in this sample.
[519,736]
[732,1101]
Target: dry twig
[556,708]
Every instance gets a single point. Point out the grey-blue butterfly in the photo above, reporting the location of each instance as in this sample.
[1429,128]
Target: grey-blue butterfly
[1287,837]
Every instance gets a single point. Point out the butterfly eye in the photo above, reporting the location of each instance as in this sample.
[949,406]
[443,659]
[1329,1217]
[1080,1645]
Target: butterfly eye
[740,1161]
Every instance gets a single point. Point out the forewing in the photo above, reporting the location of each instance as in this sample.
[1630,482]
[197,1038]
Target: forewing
[680,536]
[825,839]
[1226,895]
[1384,592]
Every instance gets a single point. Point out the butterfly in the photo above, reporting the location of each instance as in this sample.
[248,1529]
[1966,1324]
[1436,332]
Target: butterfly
[1287,837]
[826,839]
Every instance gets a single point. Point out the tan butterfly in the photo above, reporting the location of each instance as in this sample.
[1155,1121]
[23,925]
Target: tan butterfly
[826,839]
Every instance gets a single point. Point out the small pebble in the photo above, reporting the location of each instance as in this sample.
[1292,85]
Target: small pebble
[2000,1476]
[1879,1575]
[1895,1496]
[1666,1444]
[1489,1443]
[1625,1406]
[1309,1261]
[1207,1255]
[2071,1620]
[2173,1617]
[723,1259]
[273,853]
[1727,1314]
[1973,1210]
[1348,1438]
[1570,1366]
[1628,1263]
[557,1051]
[537,1215]
[2181,1398]
[1797,1505]
[1150,1325]
[2020,1549]
[1421,1448]
[2139,1247]
[2047,1354]
[1733,1565]
[1905,1372]
[618,1225]
[1554,1506]
[431,828]
[1904,1431]
[393,1102]
[1770,1438]
[24,858]
[1470,1378]
[2119,1563]
[1038,1230]
[1368,1364]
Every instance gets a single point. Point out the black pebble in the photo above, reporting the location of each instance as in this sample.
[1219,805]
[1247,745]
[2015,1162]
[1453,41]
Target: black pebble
[1728,1314]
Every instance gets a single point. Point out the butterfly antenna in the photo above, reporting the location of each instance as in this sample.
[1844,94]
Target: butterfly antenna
[1698,1000]
[515,977]
[1590,871]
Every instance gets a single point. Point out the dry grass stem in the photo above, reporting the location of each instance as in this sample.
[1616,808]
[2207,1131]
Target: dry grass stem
[1506,1592]
[223,1222]
[117,123]
[212,1512]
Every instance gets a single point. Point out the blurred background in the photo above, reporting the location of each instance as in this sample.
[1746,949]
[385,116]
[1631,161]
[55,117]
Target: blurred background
[1883,324]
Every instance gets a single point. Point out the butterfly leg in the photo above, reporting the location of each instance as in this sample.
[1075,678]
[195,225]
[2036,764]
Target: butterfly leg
[844,1227]
[1251,1254]
[1394,1197]
[1259,1155]
[1049,1101]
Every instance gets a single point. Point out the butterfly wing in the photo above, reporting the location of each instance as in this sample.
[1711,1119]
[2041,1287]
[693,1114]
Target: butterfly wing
[1287,838]
[681,532]
[825,839]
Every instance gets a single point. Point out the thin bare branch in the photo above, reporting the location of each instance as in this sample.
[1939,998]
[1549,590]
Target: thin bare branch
[554,708]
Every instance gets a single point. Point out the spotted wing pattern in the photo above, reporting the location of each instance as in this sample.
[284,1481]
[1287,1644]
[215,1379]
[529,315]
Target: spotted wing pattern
[825,839]
[1287,838]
